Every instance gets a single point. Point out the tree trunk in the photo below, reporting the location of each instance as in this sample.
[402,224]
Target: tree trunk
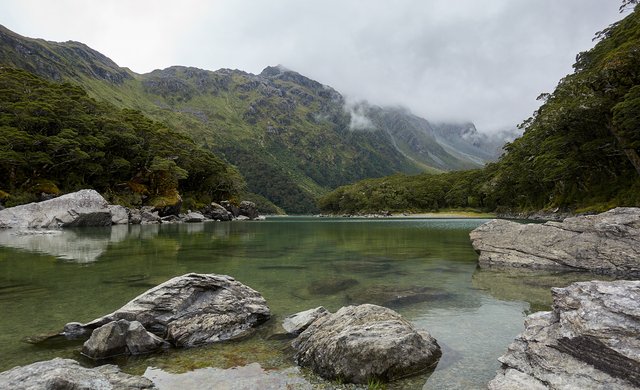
[631,153]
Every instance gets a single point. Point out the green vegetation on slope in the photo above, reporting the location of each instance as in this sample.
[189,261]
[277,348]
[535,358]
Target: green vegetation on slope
[54,138]
[289,135]
[419,193]
[579,151]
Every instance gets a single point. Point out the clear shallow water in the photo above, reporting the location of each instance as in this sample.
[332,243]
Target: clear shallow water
[47,280]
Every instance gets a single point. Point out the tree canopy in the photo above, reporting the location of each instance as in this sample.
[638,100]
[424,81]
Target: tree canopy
[54,138]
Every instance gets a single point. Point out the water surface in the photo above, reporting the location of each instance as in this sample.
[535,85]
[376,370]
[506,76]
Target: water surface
[47,280]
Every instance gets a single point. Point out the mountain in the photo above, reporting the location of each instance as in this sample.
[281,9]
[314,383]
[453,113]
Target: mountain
[579,152]
[291,137]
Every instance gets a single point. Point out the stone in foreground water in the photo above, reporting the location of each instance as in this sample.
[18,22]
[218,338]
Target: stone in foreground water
[366,342]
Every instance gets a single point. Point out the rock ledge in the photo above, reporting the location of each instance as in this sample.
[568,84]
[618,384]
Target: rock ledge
[607,243]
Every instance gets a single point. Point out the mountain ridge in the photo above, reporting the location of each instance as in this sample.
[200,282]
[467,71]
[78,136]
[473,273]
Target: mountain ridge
[289,135]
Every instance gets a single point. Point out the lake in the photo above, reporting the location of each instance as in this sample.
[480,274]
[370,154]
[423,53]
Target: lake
[297,263]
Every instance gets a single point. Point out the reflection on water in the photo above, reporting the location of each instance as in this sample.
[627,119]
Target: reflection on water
[70,245]
[425,269]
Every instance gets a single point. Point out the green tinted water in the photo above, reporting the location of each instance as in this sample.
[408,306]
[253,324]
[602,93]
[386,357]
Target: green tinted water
[47,280]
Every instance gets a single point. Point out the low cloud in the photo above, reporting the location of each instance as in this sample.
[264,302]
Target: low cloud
[358,117]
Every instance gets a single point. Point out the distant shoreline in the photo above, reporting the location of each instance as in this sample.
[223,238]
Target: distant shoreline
[445,214]
[418,215]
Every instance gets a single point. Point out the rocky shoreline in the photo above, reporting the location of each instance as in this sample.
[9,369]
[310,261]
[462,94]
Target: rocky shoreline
[590,338]
[89,208]
[588,341]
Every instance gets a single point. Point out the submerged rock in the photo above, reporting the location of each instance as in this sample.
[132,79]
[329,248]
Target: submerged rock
[190,310]
[121,338]
[68,374]
[331,286]
[296,323]
[249,377]
[607,243]
[82,208]
[397,296]
[360,343]
[588,341]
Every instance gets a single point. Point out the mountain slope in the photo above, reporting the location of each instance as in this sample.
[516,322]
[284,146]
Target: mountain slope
[291,137]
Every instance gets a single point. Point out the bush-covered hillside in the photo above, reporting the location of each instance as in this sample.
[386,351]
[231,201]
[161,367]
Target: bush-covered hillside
[291,137]
[579,151]
[54,138]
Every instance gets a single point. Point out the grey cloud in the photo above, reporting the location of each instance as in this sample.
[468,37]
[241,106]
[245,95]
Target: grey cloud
[470,60]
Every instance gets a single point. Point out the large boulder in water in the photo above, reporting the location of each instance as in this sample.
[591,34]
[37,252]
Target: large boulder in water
[607,243]
[361,343]
[190,310]
[588,341]
[121,338]
[68,374]
[82,208]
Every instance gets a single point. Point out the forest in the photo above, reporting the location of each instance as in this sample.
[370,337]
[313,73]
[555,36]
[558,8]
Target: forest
[55,139]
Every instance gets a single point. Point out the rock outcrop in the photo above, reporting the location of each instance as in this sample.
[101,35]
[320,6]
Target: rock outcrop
[190,310]
[121,338]
[589,341]
[82,208]
[607,243]
[360,343]
[68,374]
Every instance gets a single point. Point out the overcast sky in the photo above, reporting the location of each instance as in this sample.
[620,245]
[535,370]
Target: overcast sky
[483,61]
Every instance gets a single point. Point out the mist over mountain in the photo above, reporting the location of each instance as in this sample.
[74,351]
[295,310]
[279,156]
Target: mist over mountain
[291,137]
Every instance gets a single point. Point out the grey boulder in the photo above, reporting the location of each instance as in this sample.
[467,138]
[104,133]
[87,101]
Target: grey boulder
[190,310]
[82,208]
[296,323]
[589,341]
[119,215]
[148,215]
[230,207]
[248,209]
[68,374]
[121,338]
[194,217]
[607,243]
[360,343]
[216,212]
